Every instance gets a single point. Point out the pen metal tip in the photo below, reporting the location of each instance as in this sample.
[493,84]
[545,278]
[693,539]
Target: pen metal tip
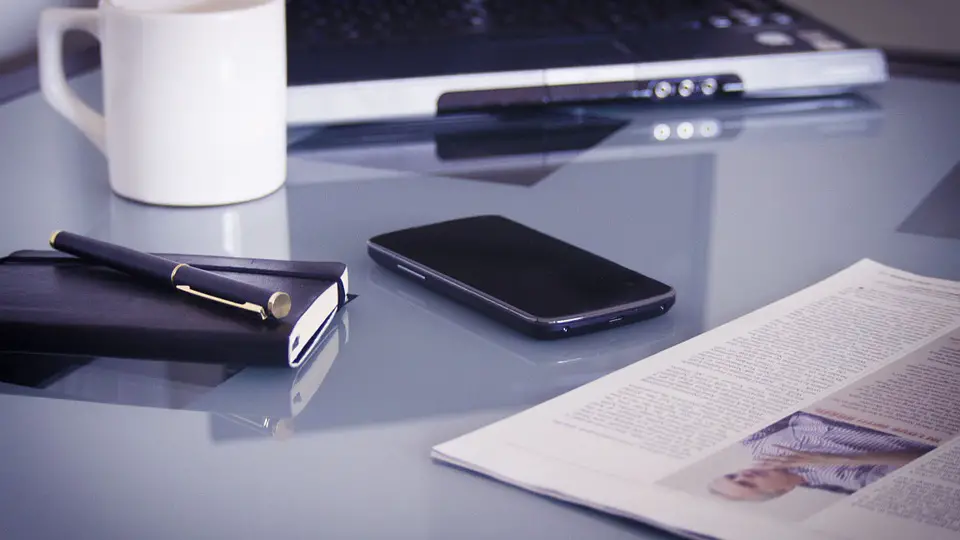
[279,304]
[53,236]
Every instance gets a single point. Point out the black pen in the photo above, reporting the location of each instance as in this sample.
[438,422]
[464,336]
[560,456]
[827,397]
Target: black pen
[267,303]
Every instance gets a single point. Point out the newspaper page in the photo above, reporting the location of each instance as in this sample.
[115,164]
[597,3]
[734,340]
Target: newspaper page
[832,413]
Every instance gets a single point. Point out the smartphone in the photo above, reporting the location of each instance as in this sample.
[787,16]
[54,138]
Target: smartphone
[524,278]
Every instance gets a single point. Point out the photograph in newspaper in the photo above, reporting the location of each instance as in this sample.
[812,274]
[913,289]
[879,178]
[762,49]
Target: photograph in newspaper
[809,460]
[774,467]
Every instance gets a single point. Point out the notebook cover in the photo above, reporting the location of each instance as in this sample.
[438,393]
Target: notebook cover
[55,303]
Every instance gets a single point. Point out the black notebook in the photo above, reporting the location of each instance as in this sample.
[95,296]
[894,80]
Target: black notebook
[51,302]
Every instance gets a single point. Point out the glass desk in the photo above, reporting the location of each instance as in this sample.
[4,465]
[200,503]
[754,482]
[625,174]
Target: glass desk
[735,205]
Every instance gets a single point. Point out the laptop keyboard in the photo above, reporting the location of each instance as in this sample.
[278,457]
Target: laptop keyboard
[385,22]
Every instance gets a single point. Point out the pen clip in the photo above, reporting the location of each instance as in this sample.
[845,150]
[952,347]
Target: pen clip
[249,306]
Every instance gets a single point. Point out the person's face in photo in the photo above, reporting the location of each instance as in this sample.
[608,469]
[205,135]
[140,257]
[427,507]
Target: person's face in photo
[755,484]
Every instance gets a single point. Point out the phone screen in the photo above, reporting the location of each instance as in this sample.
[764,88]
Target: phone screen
[527,269]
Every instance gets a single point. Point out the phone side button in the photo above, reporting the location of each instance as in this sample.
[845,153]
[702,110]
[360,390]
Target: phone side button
[411,272]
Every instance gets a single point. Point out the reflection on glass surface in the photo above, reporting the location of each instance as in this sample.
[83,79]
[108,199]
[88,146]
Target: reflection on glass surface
[525,147]
[583,356]
[264,401]
[939,213]
[662,132]
[258,228]
[238,413]
[506,148]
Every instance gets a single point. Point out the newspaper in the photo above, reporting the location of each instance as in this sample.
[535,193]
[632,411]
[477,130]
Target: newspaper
[832,413]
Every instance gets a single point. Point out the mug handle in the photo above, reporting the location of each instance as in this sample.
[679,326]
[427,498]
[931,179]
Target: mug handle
[54,22]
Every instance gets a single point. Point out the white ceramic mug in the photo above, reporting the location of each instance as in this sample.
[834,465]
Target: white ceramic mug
[194,96]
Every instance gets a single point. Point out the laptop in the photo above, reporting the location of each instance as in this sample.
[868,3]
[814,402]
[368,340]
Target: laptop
[355,61]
